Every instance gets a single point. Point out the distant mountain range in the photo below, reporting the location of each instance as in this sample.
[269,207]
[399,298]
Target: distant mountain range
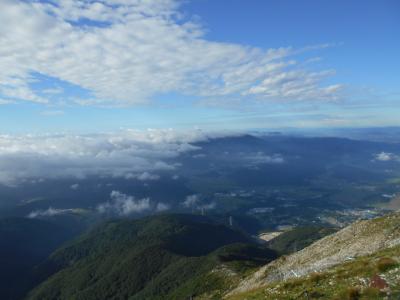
[191,231]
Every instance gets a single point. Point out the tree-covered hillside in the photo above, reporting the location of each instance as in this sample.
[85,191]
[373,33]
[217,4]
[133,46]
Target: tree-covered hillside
[298,238]
[162,257]
[25,243]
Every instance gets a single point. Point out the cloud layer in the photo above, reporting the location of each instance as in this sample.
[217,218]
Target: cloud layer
[127,154]
[126,52]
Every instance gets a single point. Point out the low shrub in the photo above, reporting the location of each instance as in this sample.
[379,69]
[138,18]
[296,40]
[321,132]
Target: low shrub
[352,293]
[386,263]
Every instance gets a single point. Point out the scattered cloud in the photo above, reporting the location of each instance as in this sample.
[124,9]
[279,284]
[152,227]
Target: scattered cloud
[191,201]
[207,206]
[296,85]
[386,156]
[127,52]
[74,186]
[123,205]
[50,212]
[195,202]
[162,207]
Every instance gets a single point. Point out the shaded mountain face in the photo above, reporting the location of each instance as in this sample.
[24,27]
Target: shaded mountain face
[162,257]
[25,243]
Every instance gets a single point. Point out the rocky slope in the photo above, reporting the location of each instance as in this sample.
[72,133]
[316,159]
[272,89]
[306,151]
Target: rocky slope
[359,239]
[371,277]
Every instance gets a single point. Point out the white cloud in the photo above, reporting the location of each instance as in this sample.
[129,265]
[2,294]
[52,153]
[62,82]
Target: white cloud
[160,207]
[128,154]
[133,50]
[124,205]
[145,176]
[191,201]
[50,212]
[296,85]
[74,186]
[383,156]
[195,202]
[121,154]
[386,156]
[207,206]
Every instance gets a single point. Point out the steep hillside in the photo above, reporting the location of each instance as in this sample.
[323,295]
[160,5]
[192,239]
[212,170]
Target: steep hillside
[359,239]
[162,257]
[25,243]
[298,238]
[371,277]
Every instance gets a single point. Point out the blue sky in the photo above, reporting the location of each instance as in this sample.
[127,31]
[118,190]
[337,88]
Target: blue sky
[87,66]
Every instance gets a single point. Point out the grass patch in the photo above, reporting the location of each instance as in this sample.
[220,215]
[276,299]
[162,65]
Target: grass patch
[372,293]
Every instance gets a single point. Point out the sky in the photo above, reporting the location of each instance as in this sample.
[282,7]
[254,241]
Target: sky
[100,66]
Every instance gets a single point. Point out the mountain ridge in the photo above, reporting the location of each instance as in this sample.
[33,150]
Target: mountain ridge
[159,257]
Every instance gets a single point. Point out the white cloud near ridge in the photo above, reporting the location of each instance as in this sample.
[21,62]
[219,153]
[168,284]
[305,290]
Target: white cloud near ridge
[127,52]
[195,202]
[124,205]
[191,201]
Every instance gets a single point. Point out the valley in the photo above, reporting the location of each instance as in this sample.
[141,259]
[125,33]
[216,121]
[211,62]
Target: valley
[218,225]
